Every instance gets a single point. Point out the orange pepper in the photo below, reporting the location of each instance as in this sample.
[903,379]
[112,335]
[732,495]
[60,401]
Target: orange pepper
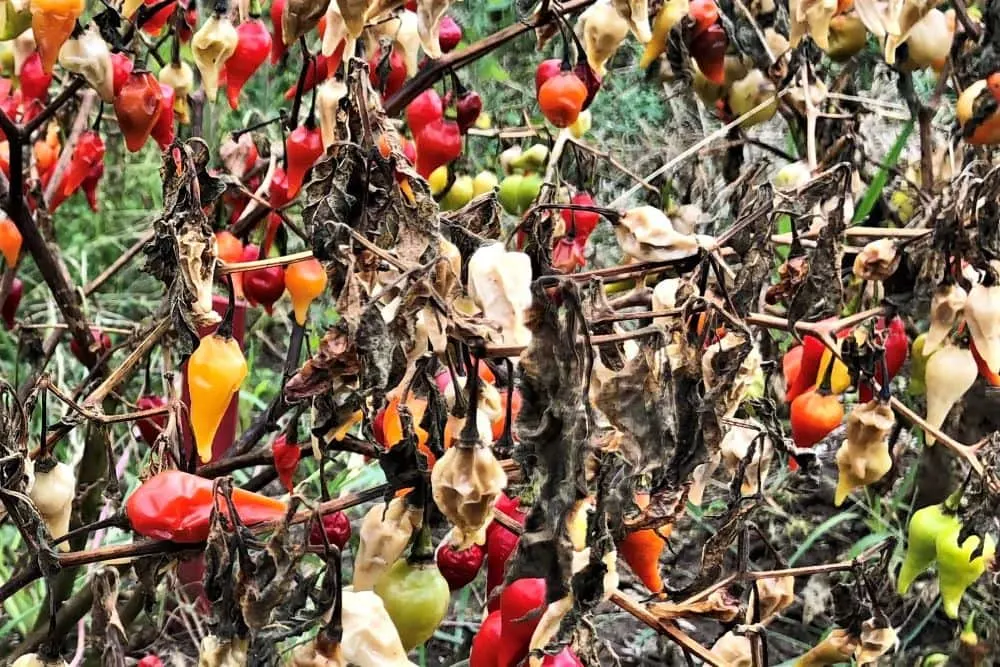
[52,22]
[641,550]
[10,241]
[305,281]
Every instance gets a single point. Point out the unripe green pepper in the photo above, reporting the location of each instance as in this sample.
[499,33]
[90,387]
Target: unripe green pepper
[957,569]
[916,386]
[509,194]
[926,525]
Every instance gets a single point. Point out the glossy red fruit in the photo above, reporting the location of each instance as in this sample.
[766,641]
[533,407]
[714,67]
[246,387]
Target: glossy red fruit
[252,49]
[102,339]
[121,67]
[89,151]
[500,544]
[897,345]
[438,143]
[449,34]
[304,146]
[709,50]
[286,460]
[278,192]
[164,131]
[425,108]
[155,23]
[704,13]
[486,643]
[561,98]
[522,603]
[150,661]
[409,149]
[9,310]
[262,286]
[137,107]
[565,658]
[581,223]
[546,70]
[317,71]
[186,29]
[278,40]
[337,527]
[396,76]
[460,568]
[34,81]
[467,110]
[150,427]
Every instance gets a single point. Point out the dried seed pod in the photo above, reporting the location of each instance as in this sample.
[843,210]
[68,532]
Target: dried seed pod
[336,31]
[429,15]
[949,373]
[946,305]
[877,261]
[876,641]
[602,30]
[646,234]
[734,447]
[500,283]
[776,595]
[733,650]
[385,532]
[811,17]
[299,17]
[982,315]
[836,647]
[636,13]
[466,483]
[864,457]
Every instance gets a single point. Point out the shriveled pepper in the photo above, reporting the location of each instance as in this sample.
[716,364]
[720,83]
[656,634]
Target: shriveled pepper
[52,22]
[303,147]
[177,506]
[305,281]
[864,457]
[328,98]
[138,107]
[88,55]
[163,131]
[212,46]
[215,372]
[385,532]
[252,48]
[91,183]
[180,77]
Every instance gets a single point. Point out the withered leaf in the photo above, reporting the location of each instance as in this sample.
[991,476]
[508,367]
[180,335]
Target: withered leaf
[336,358]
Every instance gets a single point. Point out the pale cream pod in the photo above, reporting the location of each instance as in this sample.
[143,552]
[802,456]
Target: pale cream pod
[602,29]
[864,456]
[336,31]
[466,483]
[353,13]
[385,532]
[328,98]
[646,234]
[500,284]
[52,494]
[403,31]
[950,372]
[636,14]
[982,315]
[947,304]
[429,15]
[88,56]
[212,45]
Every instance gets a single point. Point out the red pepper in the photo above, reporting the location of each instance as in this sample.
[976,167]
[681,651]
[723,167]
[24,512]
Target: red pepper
[121,66]
[251,51]
[449,34]
[486,643]
[177,506]
[337,527]
[568,254]
[286,460]
[396,76]
[897,345]
[467,109]
[163,131]
[581,223]
[34,81]
[565,658]
[91,183]
[425,108]
[138,107]
[278,194]
[459,568]
[808,368]
[10,305]
[303,147]
[262,286]
[102,344]
[186,30]
[522,603]
[155,23]
[151,427]
[88,152]
[709,50]
[500,544]
[317,71]
[150,660]
[546,70]
[278,40]
[438,143]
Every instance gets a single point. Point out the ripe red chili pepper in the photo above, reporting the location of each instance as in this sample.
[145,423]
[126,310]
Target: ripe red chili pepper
[89,151]
[425,108]
[396,76]
[565,658]
[286,460]
[568,254]
[91,183]
[274,223]
[581,223]
[500,544]
[278,40]
[459,568]
[561,98]
[708,49]
[121,66]
[449,34]
[337,527]
[467,110]
[10,305]
[546,70]
[262,286]
[317,71]
[251,51]
[814,415]
[150,427]
[278,193]
[438,143]
[522,603]
[138,107]
[177,506]
[34,81]
[186,29]
[155,23]
[102,340]
[897,345]
[303,147]
[164,131]
[486,643]
[150,661]
[800,380]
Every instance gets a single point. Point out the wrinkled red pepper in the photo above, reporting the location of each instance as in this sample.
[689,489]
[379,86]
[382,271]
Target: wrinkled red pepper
[164,130]
[89,151]
[897,345]
[252,49]
[177,506]
[286,460]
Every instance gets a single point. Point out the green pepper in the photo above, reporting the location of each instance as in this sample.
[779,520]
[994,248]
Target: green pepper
[957,569]
[415,593]
[916,386]
[925,526]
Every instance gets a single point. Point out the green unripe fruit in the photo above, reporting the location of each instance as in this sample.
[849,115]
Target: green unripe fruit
[509,194]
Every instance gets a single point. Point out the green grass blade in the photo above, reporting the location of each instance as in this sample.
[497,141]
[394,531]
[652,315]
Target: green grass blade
[818,532]
[875,188]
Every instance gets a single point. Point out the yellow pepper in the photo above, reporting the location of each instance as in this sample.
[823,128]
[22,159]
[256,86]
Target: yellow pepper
[52,23]
[840,378]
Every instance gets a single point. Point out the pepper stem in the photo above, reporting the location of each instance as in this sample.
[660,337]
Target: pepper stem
[469,436]
[825,387]
[225,329]
[422,551]
[255,9]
